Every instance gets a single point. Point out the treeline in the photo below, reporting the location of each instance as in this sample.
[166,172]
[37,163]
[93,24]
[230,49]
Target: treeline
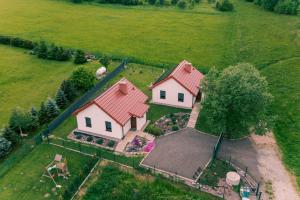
[22,123]
[180,3]
[288,7]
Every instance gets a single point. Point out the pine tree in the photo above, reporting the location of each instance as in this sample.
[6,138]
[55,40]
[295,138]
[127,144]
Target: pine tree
[42,50]
[52,109]
[52,52]
[43,118]
[10,135]
[34,112]
[69,90]
[61,99]
[34,119]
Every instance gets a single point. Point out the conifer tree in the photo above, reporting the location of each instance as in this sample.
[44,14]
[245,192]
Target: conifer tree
[43,118]
[69,90]
[61,99]
[10,135]
[51,109]
[79,57]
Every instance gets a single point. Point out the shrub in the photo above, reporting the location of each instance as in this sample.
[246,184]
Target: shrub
[90,138]
[82,79]
[249,0]
[41,50]
[182,4]
[224,5]
[5,146]
[167,2]
[175,128]
[257,2]
[268,4]
[105,60]
[288,7]
[152,2]
[100,141]
[77,1]
[79,57]
[78,136]
[111,143]
[5,40]
[154,130]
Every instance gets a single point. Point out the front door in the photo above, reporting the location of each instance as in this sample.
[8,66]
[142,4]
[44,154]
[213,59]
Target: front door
[133,123]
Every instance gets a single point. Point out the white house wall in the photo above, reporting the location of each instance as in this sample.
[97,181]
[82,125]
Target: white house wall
[98,118]
[140,122]
[172,89]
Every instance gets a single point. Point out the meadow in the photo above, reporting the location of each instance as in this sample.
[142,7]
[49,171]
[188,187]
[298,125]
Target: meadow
[165,36]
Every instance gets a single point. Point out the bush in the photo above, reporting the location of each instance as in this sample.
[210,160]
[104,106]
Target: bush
[111,143]
[5,146]
[105,60]
[182,4]
[100,141]
[268,4]
[79,57]
[5,40]
[151,2]
[288,7]
[224,5]
[175,128]
[78,136]
[82,79]
[41,50]
[10,135]
[154,130]
[257,2]
[90,138]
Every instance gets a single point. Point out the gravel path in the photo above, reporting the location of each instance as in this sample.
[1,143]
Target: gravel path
[272,169]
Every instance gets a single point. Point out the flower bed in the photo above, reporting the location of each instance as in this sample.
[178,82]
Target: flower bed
[136,145]
[97,141]
[172,122]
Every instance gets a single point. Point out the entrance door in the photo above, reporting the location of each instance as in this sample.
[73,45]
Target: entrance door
[198,98]
[133,123]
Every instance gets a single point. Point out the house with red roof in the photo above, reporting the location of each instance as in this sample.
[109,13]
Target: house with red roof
[179,87]
[119,109]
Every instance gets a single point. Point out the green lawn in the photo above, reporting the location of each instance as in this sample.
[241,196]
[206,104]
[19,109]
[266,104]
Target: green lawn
[133,185]
[25,181]
[25,80]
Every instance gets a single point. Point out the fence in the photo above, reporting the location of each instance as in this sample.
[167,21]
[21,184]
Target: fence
[217,146]
[77,104]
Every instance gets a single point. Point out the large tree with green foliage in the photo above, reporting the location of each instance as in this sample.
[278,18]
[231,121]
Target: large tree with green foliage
[10,135]
[237,101]
[21,121]
[82,79]
[5,146]
[67,86]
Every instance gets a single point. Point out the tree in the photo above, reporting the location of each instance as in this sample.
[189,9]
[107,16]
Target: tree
[237,101]
[62,54]
[289,7]
[52,109]
[20,121]
[182,4]
[10,135]
[5,146]
[224,5]
[79,57]
[82,79]
[41,50]
[268,4]
[52,52]
[105,60]
[43,117]
[69,90]
[34,112]
[61,99]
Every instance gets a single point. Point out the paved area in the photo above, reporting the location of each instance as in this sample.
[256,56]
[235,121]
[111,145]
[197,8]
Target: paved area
[129,137]
[242,153]
[181,152]
[194,115]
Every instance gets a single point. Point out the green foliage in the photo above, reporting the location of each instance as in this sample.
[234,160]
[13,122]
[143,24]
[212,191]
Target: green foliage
[68,89]
[175,128]
[105,60]
[111,143]
[89,138]
[76,1]
[10,135]
[100,141]
[5,146]
[22,122]
[268,4]
[152,129]
[151,2]
[182,4]
[124,2]
[257,2]
[237,101]
[288,7]
[52,109]
[224,5]
[41,50]
[43,117]
[82,79]
[79,57]
[61,99]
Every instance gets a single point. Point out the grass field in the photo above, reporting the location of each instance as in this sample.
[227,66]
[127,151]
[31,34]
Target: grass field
[130,184]
[154,36]
[25,181]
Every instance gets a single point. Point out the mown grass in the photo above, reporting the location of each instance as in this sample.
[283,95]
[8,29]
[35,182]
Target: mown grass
[25,181]
[133,185]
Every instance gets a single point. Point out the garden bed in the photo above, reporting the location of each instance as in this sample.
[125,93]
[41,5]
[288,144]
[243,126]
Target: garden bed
[172,122]
[137,145]
[94,140]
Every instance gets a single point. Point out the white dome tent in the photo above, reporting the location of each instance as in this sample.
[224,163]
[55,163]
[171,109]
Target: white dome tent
[100,72]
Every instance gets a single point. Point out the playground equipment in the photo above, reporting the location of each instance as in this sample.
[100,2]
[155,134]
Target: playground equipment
[58,167]
[245,193]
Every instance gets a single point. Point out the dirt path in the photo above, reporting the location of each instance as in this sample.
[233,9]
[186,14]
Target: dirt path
[279,183]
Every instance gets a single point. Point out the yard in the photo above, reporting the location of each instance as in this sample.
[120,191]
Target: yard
[25,181]
[155,36]
[131,184]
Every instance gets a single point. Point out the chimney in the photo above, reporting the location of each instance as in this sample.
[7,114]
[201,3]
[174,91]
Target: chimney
[188,67]
[123,87]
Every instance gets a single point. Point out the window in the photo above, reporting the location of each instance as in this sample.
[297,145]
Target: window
[163,94]
[108,126]
[180,97]
[88,122]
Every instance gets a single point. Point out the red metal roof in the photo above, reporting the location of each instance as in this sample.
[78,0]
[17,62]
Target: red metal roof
[121,107]
[189,80]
